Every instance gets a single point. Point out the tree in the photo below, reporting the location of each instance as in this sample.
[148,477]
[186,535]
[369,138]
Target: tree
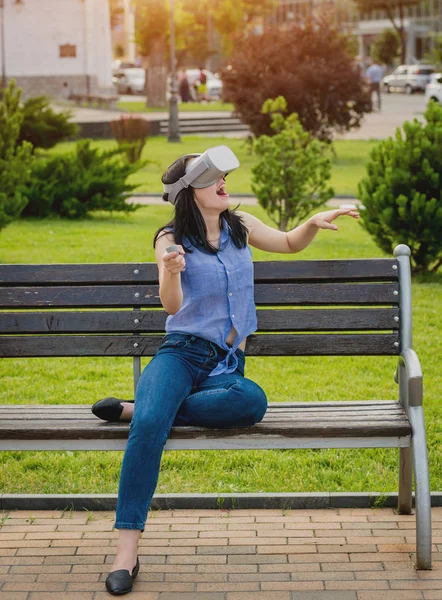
[292,174]
[395,10]
[236,18]
[435,56]
[401,192]
[192,31]
[229,18]
[151,35]
[309,65]
[15,158]
[116,10]
[386,47]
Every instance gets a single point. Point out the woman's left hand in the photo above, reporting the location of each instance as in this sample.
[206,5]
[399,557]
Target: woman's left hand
[323,220]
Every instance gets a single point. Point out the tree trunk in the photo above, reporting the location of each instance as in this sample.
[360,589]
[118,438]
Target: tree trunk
[403,46]
[157,74]
[400,29]
[283,219]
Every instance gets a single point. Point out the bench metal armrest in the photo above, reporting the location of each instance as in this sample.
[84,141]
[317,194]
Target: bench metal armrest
[409,359]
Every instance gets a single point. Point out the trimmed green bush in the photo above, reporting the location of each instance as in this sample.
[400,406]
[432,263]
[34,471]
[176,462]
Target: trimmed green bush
[15,159]
[402,191]
[291,177]
[74,184]
[42,126]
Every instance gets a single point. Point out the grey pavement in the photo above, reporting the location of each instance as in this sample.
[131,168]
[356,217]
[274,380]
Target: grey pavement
[245,200]
[396,109]
[220,554]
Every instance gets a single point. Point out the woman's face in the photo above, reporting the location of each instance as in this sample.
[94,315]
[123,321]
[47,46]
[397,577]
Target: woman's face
[213,197]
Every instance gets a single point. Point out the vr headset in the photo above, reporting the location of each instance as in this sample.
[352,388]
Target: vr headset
[203,170]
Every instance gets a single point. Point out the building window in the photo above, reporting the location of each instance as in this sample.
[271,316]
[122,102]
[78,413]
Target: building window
[68,51]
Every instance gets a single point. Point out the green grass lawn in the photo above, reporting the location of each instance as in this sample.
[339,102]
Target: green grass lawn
[140,106]
[116,238]
[348,162]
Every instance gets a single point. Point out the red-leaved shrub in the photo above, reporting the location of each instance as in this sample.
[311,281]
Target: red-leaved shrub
[310,66]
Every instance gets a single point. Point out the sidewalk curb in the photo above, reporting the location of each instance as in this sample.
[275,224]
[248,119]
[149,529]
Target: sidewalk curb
[157,195]
[273,500]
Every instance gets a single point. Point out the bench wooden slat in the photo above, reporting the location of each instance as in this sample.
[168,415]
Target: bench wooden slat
[35,413]
[386,408]
[257,345]
[84,430]
[142,295]
[326,270]
[154,321]
[380,269]
[273,405]
[292,425]
[40,421]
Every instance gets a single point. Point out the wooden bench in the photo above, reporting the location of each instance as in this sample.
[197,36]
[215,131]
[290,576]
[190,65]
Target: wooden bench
[103,100]
[332,307]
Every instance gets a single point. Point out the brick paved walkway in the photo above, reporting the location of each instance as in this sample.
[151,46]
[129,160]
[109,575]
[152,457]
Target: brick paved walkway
[350,554]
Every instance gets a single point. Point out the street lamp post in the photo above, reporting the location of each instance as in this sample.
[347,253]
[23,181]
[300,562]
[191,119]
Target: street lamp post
[2,33]
[174,123]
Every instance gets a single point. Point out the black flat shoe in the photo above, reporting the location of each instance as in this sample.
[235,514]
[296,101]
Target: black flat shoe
[120,582]
[109,409]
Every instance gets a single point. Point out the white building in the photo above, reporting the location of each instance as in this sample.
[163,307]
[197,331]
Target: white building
[53,47]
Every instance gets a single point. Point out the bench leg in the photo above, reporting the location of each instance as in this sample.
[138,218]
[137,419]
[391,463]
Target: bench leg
[405,497]
[422,489]
[137,372]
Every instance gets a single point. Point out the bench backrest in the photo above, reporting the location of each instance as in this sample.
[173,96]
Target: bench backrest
[314,307]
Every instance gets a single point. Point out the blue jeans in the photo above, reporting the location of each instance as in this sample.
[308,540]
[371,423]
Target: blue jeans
[174,389]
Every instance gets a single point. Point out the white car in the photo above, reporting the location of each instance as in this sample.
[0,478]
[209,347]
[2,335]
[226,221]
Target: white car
[433,91]
[130,81]
[408,78]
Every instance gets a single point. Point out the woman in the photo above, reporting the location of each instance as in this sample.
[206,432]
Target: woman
[197,375]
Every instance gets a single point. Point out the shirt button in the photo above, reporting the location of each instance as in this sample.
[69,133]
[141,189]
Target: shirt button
[233,316]
[228,272]
[230,294]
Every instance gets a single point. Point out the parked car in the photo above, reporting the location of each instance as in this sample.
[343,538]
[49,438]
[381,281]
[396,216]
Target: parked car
[119,65]
[433,91]
[408,78]
[129,81]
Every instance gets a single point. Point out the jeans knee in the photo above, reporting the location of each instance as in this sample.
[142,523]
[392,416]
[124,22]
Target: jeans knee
[254,400]
[147,428]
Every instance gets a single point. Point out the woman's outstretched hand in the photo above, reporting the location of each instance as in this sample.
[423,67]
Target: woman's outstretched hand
[323,220]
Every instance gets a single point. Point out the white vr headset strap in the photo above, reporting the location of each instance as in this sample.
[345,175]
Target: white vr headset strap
[173,189]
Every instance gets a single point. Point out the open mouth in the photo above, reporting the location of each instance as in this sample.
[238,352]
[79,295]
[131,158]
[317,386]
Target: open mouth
[222,192]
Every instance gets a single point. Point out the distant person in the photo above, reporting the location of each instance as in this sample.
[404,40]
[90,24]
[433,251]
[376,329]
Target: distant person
[201,85]
[184,87]
[374,75]
[360,64]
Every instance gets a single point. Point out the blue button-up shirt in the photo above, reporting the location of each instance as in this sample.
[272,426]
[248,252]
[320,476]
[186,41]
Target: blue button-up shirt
[218,292]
